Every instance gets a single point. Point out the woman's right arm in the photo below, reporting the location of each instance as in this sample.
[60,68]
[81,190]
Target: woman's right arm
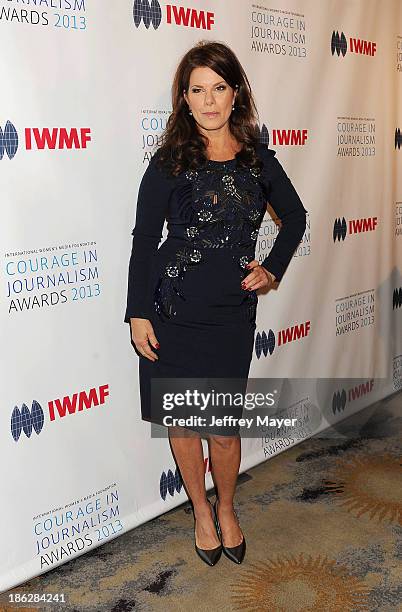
[152,205]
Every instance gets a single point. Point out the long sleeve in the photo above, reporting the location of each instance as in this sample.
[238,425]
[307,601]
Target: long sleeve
[152,204]
[286,203]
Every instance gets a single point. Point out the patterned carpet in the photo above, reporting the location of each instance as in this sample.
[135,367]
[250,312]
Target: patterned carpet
[323,523]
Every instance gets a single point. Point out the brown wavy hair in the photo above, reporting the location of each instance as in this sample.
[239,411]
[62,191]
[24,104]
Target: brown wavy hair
[183,146]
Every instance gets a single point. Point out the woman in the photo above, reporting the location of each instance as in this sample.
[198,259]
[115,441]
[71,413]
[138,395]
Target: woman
[192,302]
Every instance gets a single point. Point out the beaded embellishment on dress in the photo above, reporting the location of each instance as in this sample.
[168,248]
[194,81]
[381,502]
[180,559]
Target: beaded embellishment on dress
[227,207]
[252,298]
[167,288]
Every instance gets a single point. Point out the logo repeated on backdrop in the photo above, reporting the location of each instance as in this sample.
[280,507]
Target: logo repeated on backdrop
[397,292]
[339,45]
[264,134]
[277,32]
[398,67]
[396,302]
[398,138]
[308,420]
[8,140]
[68,14]
[398,219]
[63,531]
[152,122]
[42,138]
[283,137]
[149,12]
[353,226]
[354,312]
[50,276]
[27,421]
[265,343]
[267,235]
[342,398]
[356,137]
[172,483]
[397,372]
[397,298]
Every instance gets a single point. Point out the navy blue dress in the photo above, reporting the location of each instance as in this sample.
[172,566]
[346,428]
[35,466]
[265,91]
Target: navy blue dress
[190,287]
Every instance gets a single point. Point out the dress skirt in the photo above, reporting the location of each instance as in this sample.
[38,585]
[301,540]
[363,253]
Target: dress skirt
[209,338]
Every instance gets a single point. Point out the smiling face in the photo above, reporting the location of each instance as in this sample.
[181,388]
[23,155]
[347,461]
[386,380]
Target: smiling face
[209,98]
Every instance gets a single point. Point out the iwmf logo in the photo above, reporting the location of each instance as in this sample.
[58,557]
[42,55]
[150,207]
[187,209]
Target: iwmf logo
[339,45]
[285,137]
[353,226]
[150,12]
[341,398]
[266,343]
[42,138]
[28,420]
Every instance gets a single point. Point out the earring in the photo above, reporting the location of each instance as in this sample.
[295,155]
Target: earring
[190,112]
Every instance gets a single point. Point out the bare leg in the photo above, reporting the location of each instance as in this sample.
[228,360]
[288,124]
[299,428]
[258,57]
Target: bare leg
[187,450]
[225,452]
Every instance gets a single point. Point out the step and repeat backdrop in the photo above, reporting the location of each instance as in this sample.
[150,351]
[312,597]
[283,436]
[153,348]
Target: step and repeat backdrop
[85,95]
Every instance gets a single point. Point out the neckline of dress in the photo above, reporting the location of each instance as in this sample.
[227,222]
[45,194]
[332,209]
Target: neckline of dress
[224,161]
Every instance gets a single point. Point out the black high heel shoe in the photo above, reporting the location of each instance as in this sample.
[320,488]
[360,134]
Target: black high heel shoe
[209,556]
[234,553]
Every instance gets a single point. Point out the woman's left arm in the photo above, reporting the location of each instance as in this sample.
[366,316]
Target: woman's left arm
[288,206]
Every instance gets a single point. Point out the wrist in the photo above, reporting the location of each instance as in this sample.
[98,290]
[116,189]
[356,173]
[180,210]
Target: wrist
[269,274]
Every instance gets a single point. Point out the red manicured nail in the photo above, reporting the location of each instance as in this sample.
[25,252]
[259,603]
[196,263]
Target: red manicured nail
[157,345]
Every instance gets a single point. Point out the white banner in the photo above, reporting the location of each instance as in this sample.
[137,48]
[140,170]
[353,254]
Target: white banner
[85,96]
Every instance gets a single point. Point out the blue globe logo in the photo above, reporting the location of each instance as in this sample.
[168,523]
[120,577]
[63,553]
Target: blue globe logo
[264,135]
[169,483]
[27,420]
[8,140]
[148,13]
[264,343]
